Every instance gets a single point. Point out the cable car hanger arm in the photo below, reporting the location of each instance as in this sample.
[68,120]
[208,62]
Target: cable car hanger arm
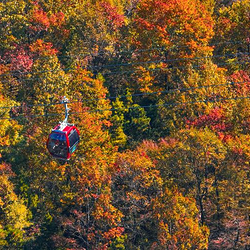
[65,102]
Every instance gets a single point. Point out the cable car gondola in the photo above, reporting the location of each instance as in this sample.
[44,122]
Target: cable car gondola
[64,138]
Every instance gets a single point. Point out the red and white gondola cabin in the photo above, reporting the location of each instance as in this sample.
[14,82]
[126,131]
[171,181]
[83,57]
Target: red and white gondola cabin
[63,140]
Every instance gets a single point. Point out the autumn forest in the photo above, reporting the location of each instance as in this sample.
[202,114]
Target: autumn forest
[160,92]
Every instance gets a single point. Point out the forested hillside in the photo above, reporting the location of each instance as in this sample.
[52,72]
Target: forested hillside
[159,90]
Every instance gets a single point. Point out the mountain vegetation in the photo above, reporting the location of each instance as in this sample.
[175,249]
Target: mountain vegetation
[159,90]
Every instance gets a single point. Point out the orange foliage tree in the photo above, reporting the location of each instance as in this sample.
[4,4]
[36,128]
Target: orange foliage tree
[155,215]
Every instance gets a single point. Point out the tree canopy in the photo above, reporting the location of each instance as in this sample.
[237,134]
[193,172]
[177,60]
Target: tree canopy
[159,90]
